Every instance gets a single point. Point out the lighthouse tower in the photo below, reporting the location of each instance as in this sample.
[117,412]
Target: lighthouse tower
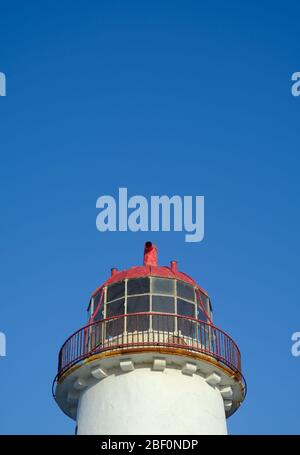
[150,360]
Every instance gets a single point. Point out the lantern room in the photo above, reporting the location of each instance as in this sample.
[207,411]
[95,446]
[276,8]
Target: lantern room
[150,298]
[149,289]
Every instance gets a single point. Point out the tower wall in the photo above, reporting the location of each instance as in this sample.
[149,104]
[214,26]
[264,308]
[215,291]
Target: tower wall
[144,401]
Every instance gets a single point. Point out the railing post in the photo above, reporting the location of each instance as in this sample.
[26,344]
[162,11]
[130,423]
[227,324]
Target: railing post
[217,341]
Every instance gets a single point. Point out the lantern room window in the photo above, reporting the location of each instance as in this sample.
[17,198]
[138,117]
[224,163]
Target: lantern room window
[138,304]
[150,295]
[115,291]
[115,308]
[96,300]
[90,308]
[204,306]
[163,304]
[187,327]
[162,299]
[138,286]
[97,310]
[162,286]
[114,327]
[201,315]
[186,291]
[98,315]
[163,323]
[186,308]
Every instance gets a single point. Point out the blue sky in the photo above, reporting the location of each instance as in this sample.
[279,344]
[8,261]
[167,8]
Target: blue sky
[188,98]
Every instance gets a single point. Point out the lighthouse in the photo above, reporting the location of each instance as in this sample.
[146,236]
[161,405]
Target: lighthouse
[150,360]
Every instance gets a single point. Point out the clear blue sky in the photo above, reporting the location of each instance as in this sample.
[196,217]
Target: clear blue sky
[162,97]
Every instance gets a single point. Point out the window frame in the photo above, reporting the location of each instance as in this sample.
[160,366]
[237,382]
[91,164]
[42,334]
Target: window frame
[198,301]
[208,314]
[120,296]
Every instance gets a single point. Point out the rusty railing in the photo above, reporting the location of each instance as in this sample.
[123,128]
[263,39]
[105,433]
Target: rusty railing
[149,330]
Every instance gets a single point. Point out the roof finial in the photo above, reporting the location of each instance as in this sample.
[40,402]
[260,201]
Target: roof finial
[150,254]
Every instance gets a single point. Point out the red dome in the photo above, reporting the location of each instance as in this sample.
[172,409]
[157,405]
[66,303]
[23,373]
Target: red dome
[150,270]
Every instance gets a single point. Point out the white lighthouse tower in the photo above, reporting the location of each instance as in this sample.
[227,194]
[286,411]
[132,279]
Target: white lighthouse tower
[150,360]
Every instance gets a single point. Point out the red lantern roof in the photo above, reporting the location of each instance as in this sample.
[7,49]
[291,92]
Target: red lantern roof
[149,270]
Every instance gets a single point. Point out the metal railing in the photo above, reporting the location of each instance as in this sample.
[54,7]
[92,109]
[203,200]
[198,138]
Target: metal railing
[140,330]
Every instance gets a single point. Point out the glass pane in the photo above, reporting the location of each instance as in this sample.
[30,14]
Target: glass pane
[187,327]
[96,299]
[204,336]
[138,304]
[163,304]
[95,337]
[205,303]
[137,322]
[185,308]
[163,323]
[99,315]
[204,300]
[114,327]
[162,286]
[89,310]
[115,308]
[200,315]
[115,291]
[186,291]
[138,286]
[210,306]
